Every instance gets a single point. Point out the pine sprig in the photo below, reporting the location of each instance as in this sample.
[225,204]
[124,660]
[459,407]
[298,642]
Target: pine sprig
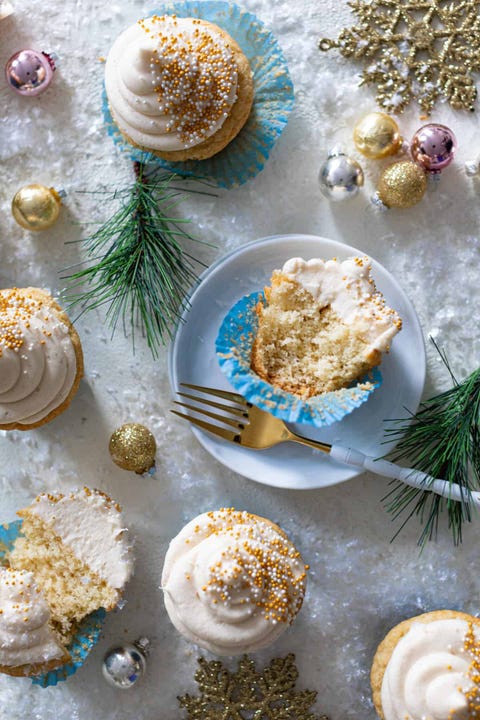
[138,266]
[443,440]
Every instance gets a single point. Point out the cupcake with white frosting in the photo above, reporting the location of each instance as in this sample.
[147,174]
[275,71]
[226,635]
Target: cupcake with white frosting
[429,667]
[74,557]
[323,325]
[28,644]
[232,582]
[180,88]
[41,360]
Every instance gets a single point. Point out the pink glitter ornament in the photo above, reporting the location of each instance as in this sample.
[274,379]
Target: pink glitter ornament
[30,72]
[433,147]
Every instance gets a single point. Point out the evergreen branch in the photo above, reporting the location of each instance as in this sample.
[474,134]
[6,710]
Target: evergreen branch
[136,263]
[442,440]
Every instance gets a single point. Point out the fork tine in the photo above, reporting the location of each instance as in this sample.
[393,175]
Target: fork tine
[220,406]
[234,397]
[221,432]
[214,416]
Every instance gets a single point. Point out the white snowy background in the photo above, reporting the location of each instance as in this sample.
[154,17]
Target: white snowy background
[360,584]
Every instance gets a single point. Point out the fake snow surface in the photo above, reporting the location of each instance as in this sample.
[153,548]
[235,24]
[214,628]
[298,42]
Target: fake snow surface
[360,584]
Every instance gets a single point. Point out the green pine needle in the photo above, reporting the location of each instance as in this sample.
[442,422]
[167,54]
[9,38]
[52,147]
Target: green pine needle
[442,440]
[138,267]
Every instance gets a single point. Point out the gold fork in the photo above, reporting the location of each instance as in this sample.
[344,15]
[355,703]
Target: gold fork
[250,427]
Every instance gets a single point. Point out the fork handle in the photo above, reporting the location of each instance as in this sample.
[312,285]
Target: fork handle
[409,476]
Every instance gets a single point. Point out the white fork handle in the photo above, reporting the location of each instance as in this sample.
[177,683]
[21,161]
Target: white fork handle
[409,476]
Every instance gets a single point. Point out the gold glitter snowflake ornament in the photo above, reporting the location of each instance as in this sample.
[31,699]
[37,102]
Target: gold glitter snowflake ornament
[424,50]
[248,694]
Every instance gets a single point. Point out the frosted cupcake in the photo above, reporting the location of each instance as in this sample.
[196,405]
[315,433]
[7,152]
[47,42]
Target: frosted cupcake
[232,581]
[73,557]
[28,644]
[41,360]
[323,326]
[180,88]
[428,667]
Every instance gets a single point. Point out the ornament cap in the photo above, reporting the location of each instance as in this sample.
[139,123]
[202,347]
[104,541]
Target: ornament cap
[472,167]
[377,203]
[52,58]
[336,151]
[143,644]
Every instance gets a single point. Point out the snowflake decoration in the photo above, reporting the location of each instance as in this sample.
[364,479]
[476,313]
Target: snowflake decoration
[249,695]
[419,50]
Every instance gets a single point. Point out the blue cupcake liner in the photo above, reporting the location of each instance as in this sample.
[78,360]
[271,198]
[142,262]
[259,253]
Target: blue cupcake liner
[234,349]
[245,156]
[88,632]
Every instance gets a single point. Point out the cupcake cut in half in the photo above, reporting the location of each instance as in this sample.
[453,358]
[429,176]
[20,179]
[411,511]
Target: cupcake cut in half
[180,88]
[77,553]
[41,360]
[324,325]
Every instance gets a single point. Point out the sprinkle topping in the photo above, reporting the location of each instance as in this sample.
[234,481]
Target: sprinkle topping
[193,75]
[16,311]
[472,646]
[258,566]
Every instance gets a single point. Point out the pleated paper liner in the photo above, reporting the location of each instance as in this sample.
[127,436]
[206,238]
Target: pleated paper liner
[88,631]
[245,156]
[234,349]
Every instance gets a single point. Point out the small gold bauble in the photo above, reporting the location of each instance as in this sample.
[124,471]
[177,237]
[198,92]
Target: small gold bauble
[36,207]
[402,185]
[377,135]
[133,447]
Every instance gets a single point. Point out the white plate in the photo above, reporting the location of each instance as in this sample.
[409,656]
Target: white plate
[290,465]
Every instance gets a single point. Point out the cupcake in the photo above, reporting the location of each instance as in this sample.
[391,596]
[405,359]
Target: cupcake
[180,88]
[323,326]
[232,581]
[74,557]
[41,360]
[28,644]
[428,667]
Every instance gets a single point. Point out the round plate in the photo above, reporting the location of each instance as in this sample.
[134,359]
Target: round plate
[290,465]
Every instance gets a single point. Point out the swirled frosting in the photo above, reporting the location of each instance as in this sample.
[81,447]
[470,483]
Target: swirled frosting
[25,635]
[433,673]
[232,582]
[350,291]
[38,364]
[171,82]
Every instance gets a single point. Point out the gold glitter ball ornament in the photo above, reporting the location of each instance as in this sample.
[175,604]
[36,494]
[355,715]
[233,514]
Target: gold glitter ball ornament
[133,447]
[402,185]
[376,136]
[36,207]
[423,50]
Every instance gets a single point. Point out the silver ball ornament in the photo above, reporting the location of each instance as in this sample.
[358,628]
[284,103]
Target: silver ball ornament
[340,176]
[125,664]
